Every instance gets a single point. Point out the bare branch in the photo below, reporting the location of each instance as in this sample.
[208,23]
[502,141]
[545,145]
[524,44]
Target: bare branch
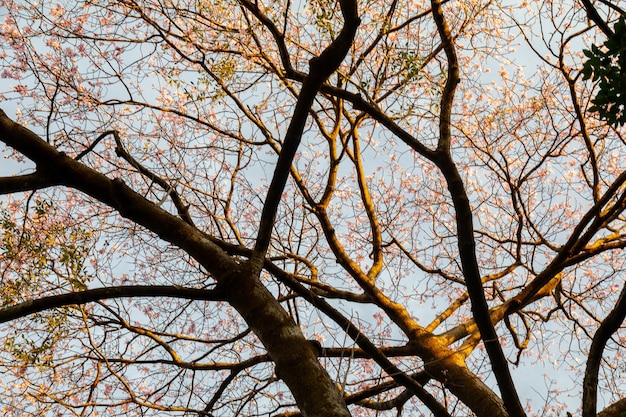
[97,294]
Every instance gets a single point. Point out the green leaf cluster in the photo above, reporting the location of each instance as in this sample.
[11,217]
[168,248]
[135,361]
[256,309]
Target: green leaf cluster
[607,66]
[41,254]
[36,344]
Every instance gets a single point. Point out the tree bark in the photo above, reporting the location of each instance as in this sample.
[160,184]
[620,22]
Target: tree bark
[617,409]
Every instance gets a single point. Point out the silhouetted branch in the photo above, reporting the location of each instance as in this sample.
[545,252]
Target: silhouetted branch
[97,294]
[607,328]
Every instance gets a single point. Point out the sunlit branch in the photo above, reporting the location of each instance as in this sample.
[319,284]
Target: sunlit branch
[595,248]
[364,343]
[454,306]
[589,224]
[337,148]
[370,210]
[498,313]
[396,311]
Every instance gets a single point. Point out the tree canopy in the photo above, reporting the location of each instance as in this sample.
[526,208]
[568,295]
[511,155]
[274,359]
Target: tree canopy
[316,208]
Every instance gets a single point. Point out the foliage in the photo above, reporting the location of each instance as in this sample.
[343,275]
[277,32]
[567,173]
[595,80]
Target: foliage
[607,66]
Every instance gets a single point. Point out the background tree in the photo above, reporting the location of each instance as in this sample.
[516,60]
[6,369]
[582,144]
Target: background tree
[608,67]
[326,208]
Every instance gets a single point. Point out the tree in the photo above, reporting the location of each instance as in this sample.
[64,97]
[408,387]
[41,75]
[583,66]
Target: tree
[326,208]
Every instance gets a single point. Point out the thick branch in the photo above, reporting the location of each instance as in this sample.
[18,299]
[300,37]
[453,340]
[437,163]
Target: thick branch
[320,69]
[607,328]
[593,15]
[27,182]
[465,228]
[364,343]
[616,409]
[58,168]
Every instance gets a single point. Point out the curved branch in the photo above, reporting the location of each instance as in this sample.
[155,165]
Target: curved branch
[125,291]
[368,204]
[93,145]
[607,328]
[169,189]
